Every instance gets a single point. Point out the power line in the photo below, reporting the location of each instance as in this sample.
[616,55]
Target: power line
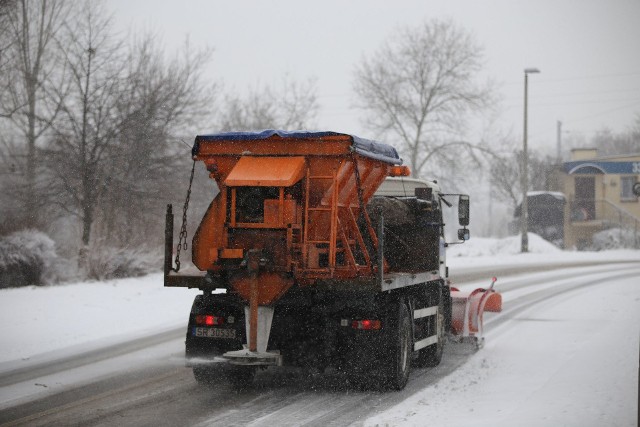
[559,95]
[595,101]
[637,102]
[591,116]
[585,77]
[589,77]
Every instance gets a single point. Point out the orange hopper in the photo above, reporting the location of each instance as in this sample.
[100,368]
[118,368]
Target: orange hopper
[290,210]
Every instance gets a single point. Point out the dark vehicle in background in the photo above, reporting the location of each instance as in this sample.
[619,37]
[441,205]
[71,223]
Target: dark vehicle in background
[546,215]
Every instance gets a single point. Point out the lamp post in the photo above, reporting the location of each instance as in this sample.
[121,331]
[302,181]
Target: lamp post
[524,215]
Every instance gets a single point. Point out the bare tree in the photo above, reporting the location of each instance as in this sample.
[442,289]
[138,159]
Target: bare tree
[6,40]
[419,88]
[166,98]
[293,106]
[31,82]
[116,155]
[89,124]
[610,143]
[505,178]
[506,175]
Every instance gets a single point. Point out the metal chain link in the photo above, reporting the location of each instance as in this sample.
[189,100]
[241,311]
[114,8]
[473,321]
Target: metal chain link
[182,239]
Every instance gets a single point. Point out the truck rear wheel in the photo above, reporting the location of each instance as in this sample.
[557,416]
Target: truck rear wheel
[398,364]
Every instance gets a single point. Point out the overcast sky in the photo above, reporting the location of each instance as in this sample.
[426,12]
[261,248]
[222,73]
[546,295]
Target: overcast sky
[588,52]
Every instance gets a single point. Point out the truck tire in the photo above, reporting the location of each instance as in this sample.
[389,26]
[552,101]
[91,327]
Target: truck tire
[432,355]
[398,364]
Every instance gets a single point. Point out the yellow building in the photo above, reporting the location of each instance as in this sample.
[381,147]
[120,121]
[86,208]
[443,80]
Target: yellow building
[600,195]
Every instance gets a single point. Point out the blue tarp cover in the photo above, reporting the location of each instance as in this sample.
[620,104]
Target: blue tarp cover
[364,147]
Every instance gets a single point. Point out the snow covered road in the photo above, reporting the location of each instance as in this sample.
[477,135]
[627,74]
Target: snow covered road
[547,355]
[564,354]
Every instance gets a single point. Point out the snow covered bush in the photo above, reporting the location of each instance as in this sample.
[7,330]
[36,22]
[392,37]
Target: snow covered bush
[27,257]
[614,238]
[106,262]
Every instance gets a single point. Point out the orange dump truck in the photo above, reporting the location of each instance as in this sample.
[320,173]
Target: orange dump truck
[311,255]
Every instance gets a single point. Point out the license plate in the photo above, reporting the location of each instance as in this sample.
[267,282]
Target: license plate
[214,333]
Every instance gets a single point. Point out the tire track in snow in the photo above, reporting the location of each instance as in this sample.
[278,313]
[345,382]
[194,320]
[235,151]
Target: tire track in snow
[288,408]
[292,398]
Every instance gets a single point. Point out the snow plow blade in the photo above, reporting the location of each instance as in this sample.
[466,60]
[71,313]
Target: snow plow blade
[467,309]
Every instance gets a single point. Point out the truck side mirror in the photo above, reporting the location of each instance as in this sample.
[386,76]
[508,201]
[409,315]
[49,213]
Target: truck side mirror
[463,234]
[463,210]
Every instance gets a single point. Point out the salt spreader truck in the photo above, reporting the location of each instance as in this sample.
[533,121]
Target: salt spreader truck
[319,251]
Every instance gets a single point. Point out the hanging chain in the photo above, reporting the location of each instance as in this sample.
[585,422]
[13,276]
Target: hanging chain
[182,239]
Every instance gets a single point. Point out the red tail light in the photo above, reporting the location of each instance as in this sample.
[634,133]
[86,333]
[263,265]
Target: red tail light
[209,320]
[366,324]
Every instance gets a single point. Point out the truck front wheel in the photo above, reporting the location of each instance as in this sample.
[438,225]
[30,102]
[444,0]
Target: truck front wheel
[398,364]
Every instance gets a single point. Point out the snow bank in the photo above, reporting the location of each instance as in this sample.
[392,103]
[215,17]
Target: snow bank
[36,320]
[482,246]
[573,362]
[107,262]
[488,252]
[29,258]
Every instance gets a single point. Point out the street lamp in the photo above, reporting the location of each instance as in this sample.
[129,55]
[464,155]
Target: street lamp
[524,215]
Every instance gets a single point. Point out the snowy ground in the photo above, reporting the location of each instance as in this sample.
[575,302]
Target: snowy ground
[486,252]
[78,317]
[572,361]
[37,320]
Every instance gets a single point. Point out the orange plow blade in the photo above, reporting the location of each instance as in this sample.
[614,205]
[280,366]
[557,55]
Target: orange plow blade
[467,309]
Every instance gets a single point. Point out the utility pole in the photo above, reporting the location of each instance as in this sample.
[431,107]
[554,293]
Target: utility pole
[524,216]
[559,142]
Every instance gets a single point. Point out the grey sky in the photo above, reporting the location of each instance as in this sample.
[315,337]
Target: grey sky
[588,51]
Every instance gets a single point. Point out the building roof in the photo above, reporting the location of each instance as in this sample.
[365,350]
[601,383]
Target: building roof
[601,165]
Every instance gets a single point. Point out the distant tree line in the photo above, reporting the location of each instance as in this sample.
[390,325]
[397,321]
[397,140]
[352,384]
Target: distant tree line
[611,143]
[91,122]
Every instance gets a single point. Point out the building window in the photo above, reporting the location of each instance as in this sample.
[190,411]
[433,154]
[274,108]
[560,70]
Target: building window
[626,188]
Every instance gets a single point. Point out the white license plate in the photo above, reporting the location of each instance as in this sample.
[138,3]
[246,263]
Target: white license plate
[214,333]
